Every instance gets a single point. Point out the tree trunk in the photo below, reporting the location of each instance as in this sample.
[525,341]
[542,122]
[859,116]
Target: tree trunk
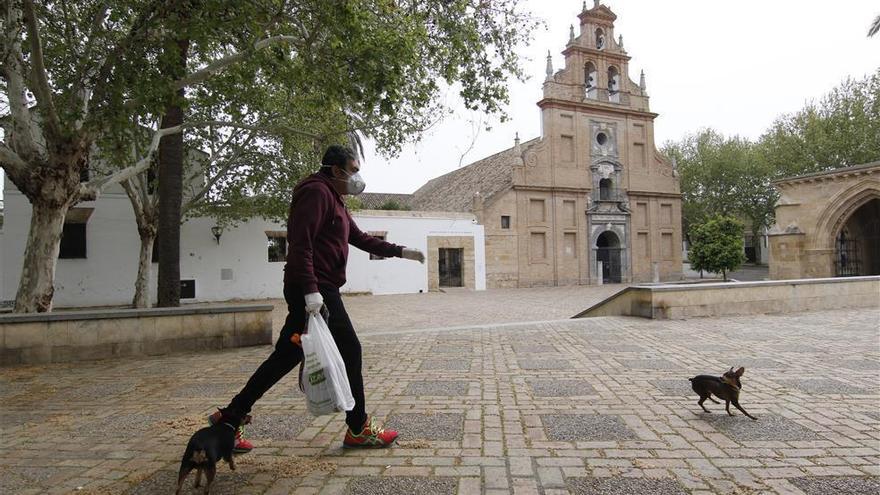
[37,284]
[756,242]
[171,193]
[142,283]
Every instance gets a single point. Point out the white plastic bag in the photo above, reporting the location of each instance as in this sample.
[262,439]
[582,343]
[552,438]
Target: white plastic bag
[322,377]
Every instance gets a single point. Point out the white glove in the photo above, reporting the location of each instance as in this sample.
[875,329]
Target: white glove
[314,302]
[413,254]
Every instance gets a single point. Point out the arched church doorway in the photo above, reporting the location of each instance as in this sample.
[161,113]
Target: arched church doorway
[608,252]
[857,244]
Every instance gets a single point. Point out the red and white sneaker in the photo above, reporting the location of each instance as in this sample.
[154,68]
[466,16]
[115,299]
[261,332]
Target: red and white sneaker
[372,436]
[242,445]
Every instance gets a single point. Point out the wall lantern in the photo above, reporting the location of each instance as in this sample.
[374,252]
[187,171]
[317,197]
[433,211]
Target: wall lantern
[217,231]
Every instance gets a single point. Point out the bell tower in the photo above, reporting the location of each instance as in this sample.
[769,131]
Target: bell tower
[593,112]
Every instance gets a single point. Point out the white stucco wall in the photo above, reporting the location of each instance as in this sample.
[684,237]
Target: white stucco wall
[106,277]
[411,229]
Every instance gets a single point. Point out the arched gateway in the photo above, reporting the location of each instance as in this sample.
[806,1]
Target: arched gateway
[828,224]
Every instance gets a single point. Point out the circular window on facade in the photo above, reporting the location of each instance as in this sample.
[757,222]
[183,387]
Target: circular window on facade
[601,138]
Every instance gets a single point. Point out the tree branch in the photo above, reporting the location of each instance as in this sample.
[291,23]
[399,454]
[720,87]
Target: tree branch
[21,138]
[135,199]
[139,26]
[230,162]
[81,90]
[267,128]
[218,65]
[142,184]
[12,163]
[91,189]
[38,71]
[215,152]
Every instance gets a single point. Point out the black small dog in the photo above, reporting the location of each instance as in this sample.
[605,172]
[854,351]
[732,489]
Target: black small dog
[725,387]
[205,448]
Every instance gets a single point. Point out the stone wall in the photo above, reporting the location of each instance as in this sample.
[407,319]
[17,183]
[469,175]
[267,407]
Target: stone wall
[656,237]
[678,301]
[502,250]
[101,334]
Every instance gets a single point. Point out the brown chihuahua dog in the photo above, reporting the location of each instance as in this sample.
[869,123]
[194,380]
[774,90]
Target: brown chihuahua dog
[207,447]
[725,387]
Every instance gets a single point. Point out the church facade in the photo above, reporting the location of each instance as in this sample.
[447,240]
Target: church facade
[591,200]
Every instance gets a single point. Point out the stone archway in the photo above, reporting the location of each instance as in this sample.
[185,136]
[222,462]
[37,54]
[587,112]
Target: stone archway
[827,224]
[846,231]
[608,251]
[857,243]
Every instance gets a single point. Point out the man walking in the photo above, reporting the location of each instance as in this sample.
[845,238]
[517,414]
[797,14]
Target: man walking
[319,230]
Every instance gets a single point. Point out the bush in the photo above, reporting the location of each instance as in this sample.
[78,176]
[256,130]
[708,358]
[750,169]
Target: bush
[393,204]
[717,245]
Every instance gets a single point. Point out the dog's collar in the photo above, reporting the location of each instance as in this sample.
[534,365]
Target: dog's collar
[229,425]
[731,385]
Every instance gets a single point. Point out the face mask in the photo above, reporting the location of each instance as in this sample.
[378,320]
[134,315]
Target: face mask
[354,184]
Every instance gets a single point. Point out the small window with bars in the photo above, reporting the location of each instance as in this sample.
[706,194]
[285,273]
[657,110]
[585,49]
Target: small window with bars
[505,221]
[378,235]
[277,246]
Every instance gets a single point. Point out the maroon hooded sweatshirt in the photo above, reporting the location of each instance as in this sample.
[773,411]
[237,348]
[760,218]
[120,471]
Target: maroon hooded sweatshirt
[319,230]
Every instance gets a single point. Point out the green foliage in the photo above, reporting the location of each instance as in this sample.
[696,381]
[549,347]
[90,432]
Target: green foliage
[723,176]
[393,204]
[717,245]
[377,67]
[374,68]
[840,130]
[354,203]
[733,176]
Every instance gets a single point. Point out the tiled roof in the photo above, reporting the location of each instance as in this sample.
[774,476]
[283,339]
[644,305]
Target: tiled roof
[455,190]
[375,201]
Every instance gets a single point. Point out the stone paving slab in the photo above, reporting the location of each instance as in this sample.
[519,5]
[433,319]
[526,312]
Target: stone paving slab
[278,427]
[586,427]
[561,388]
[766,428]
[604,407]
[402,486]
[674,387]
[437,387]
[433,426]
[820,386]
[625,486]
[544,364]
[837,484]
[445,365]
[649,364]
[534,349]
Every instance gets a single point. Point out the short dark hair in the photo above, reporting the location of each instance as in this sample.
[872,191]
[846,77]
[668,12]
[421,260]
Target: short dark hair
[338,156]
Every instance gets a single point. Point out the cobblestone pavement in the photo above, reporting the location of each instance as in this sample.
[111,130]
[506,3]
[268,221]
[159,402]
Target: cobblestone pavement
[568,407]
[462,307]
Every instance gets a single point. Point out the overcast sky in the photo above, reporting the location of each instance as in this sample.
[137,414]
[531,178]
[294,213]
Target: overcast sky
[733,66]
